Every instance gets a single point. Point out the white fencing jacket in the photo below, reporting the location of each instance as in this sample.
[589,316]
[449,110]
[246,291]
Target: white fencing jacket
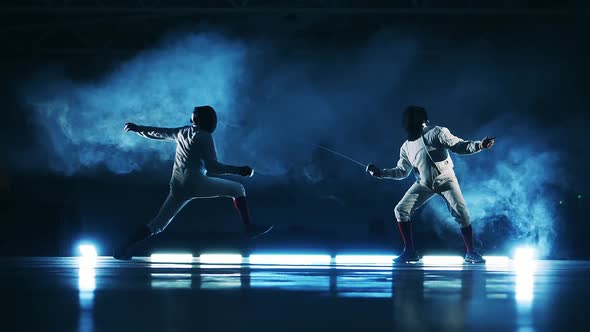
[195,151]
[413,156]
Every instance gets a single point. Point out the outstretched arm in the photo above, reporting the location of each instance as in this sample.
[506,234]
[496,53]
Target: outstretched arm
[461,146]
[153,132]
[210,158]
[401,171]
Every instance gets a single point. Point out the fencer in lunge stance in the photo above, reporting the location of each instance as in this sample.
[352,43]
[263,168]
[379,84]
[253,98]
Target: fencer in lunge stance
[196,159]
[426,153]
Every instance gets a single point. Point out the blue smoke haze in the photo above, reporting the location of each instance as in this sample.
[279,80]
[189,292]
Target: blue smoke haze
[271,106]
[515,181]
[84,120]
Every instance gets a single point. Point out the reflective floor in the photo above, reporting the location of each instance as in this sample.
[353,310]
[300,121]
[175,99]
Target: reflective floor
[76,294]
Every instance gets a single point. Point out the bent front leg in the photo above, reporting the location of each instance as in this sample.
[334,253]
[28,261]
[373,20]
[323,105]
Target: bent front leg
[413,199]
[172,205]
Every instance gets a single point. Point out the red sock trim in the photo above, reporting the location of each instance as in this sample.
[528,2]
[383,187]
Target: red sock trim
[405,229]
[467,233]
[241,205]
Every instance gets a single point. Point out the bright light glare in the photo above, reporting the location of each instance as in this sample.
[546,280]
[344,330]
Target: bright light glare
[171,258]
[524,254]
[524,286]
[86,285]
[364,259]
[221,258]
[87,250]
[525,266]
[442,260]
[291,259]
[86,279]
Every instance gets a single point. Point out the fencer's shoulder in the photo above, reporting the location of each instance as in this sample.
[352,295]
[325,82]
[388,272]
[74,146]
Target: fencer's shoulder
[439,131]
[184,131]
[431,131]
[404,148]
[442,129]
[188,132]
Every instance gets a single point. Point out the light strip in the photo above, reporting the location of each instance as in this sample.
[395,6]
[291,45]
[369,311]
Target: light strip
[290,259]
[497,260]
[442,260]
[364,259]
[296,259]
[221,259]
[171,258]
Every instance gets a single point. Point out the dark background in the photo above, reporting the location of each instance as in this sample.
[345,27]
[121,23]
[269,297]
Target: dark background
[327,72]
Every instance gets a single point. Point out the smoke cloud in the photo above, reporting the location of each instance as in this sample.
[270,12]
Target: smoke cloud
[271,106]
[510,190]
[84,120]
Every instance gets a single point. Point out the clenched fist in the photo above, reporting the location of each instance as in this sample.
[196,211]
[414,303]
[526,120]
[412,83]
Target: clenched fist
[487,142]
[374,171]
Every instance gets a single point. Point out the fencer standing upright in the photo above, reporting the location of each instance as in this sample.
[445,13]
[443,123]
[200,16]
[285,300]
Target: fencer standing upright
[426,152]
[195,161]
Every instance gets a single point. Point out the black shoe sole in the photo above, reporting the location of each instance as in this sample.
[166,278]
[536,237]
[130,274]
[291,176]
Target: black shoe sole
[122,257]
[473,261]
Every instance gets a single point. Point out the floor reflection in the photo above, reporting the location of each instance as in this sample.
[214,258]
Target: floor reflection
[524,294]
[364,284]
[67,294]
[426,282]
[220,280]
[310,281]
[171,280]
[449,294]
[86,288]
[462,296]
